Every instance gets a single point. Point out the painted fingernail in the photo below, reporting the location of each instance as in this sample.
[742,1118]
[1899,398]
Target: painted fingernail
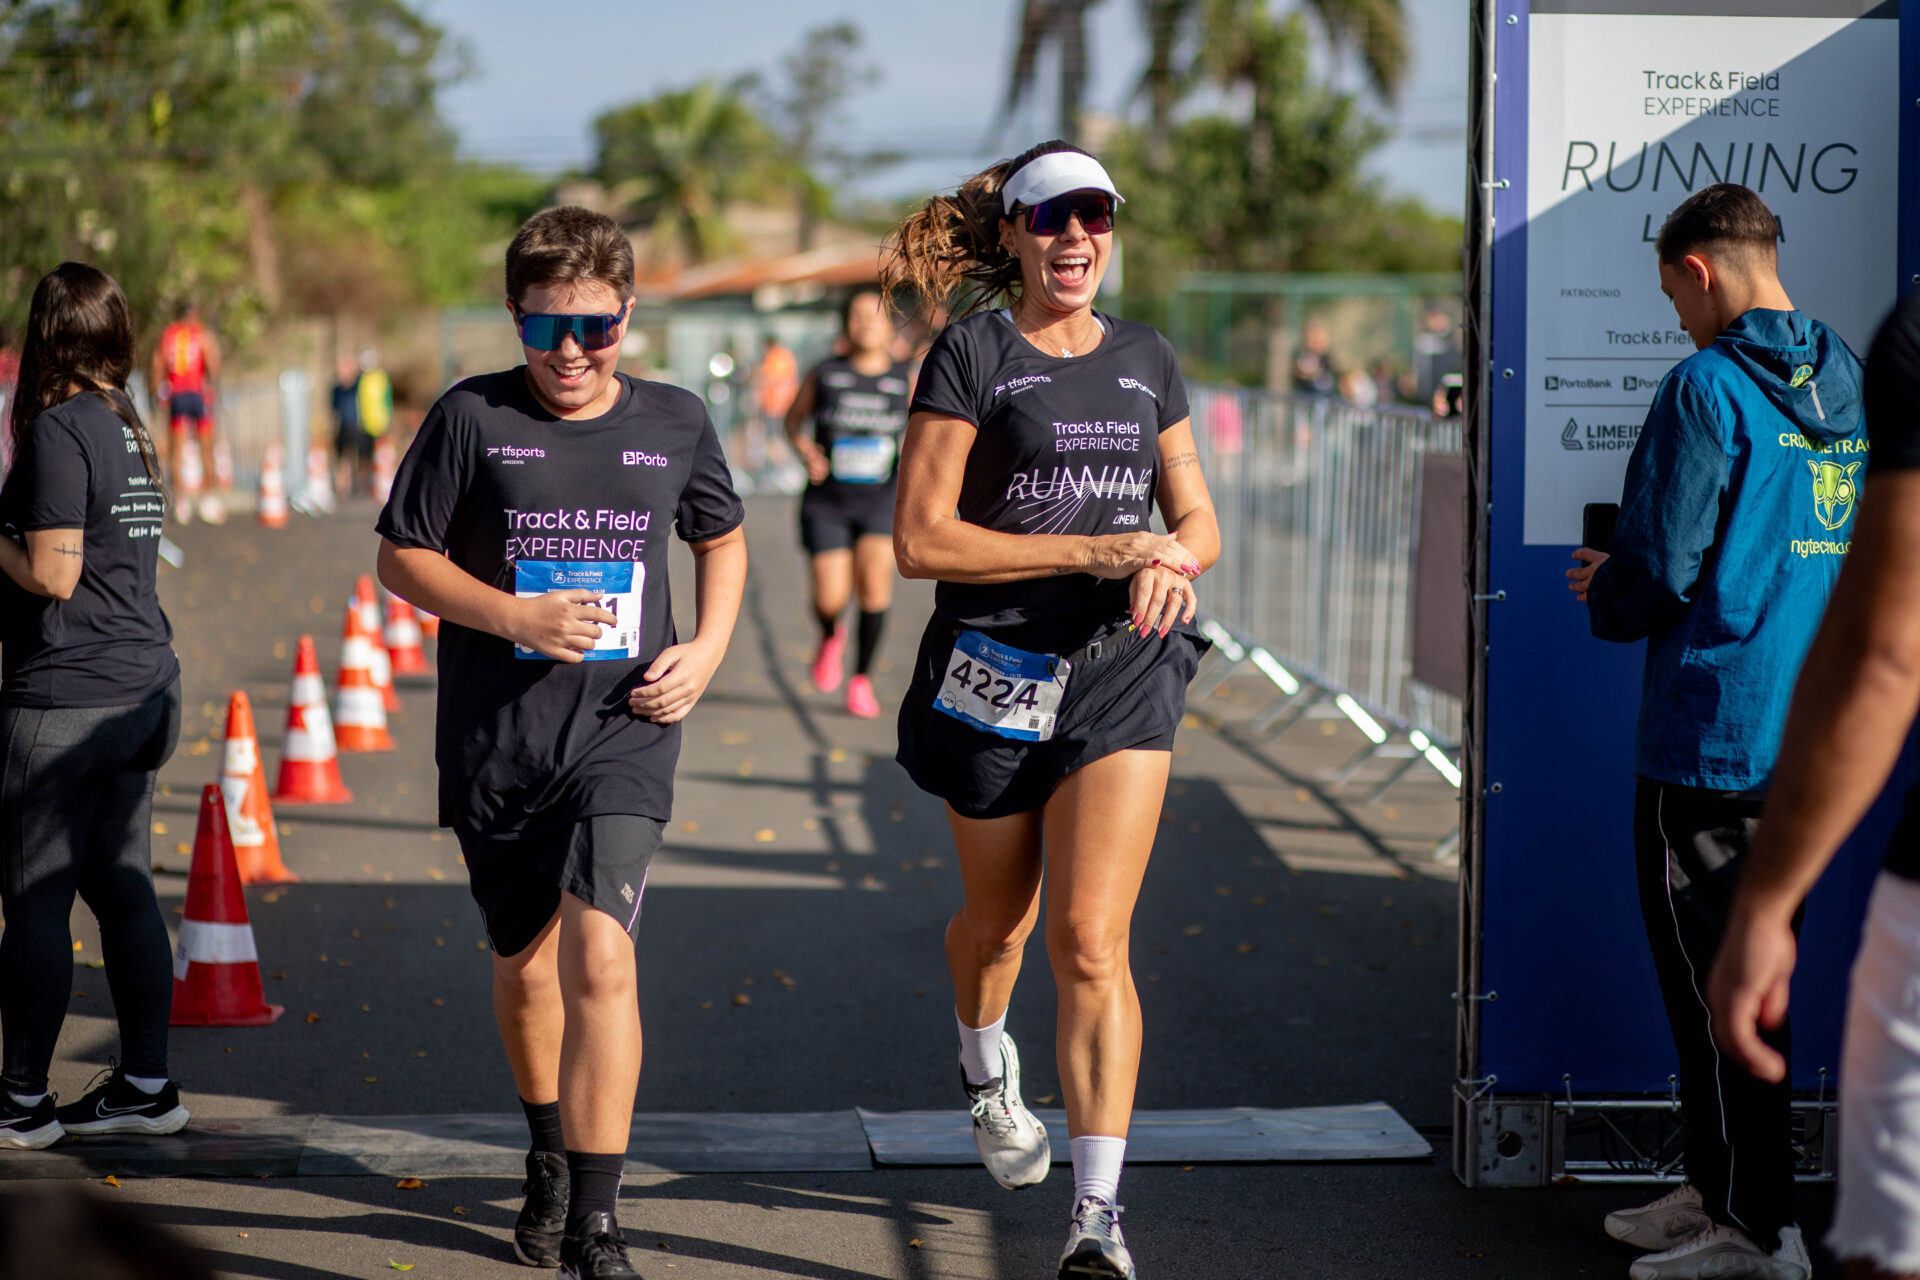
[1156,564]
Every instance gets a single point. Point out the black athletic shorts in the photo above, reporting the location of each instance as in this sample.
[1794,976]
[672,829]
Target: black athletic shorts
[352,442]
[833,515]
[188,406]
[602,860]
[1131,695]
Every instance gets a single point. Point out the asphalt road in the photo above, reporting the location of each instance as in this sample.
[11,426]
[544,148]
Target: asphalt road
[1293,948]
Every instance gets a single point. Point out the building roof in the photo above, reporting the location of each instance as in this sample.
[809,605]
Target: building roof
[776,280]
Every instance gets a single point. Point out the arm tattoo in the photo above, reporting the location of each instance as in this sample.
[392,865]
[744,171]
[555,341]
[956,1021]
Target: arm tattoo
[1061,571]
[1178,460]
[68,550]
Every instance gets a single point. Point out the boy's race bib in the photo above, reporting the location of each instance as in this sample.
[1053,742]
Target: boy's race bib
[1003,690]
[618,584]
[862,459]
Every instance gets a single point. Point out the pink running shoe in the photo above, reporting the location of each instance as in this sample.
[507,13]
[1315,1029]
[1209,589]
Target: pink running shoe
[826,662]
[860,699]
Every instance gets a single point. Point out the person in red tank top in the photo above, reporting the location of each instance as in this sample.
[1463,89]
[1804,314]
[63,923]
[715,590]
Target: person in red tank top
[185,363]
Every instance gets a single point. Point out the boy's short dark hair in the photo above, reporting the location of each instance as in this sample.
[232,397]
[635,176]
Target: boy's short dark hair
[1724,215]
[567,246]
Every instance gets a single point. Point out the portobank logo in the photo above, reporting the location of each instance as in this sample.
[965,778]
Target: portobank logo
[1834,490]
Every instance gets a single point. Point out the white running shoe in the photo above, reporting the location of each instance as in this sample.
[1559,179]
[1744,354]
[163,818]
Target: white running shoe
[1674,1218]
[1720,1253]
[1095,1248]
[1011,1140]
[1790,1260]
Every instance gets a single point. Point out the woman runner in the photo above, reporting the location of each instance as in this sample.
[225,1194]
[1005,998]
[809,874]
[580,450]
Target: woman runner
[858,405]
[89,711]
[1053,673]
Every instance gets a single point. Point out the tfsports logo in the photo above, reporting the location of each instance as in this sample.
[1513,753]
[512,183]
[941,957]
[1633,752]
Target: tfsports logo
[635,458]
[514,451]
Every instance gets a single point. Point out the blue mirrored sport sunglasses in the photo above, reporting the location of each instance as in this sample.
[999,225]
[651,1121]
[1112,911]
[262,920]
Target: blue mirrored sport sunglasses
[547,332]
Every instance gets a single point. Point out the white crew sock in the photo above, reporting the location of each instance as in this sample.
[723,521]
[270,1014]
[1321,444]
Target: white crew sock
[1096,1167]
[980,1049]
[146,1084]
[28,1099]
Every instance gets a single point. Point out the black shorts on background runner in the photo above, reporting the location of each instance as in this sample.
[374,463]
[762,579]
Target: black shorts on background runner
[602,860]
[1128,694]
[834,516]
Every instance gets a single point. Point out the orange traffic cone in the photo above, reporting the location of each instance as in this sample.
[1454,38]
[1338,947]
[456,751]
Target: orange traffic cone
[309,765]
[359,721]
[381,668]
[216,972]
[256,845]
[273,490]
[403,640]
[429,622]
[385,463]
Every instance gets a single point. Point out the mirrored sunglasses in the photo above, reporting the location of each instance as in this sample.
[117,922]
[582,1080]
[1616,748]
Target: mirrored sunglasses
[547,332]
[1094,209]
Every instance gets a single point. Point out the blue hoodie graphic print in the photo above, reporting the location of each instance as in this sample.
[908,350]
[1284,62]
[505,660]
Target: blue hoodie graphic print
[1736,511]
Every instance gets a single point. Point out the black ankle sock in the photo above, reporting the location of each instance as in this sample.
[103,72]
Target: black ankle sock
[596,1185]
[871,624]
[543,1122]
[828,624]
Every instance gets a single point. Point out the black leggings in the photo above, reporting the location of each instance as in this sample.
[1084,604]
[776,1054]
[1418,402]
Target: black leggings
[76,810]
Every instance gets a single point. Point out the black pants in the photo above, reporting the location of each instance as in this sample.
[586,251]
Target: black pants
[76,814]
[1688,847]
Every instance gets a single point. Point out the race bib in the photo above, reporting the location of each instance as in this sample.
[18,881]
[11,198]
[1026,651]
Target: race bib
[862,459]
[618,584]
[1003,690]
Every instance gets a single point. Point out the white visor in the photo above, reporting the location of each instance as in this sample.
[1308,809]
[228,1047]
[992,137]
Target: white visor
[1055,174]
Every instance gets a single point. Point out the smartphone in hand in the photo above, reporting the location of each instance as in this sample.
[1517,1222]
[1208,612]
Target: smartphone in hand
[1596,525]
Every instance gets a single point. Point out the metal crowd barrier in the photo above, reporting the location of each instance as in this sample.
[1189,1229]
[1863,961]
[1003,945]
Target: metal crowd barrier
[1319,506]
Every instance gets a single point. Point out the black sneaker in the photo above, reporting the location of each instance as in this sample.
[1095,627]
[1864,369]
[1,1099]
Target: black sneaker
[111,1105]
[28,1128]
[543,1218]
[596,1252]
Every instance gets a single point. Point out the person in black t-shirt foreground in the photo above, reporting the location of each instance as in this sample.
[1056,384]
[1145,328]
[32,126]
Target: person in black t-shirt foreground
[89,711]
[523,515]
[1053,673]
[1852,710]
[857,404]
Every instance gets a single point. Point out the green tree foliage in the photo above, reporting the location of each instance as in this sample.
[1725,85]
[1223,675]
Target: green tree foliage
[675,161]
[259,156]
[1281,190]
[1062,24]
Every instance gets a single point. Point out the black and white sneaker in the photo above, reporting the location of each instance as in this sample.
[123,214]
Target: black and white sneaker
[1095,1248]
[543,1216]
[28,1128]
[598,1252]
[1010,1139]
[112,1105]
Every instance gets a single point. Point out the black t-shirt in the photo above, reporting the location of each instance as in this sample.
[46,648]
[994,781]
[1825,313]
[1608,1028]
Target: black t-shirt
[857,421]
[1892,403]
[1065,444]
[109,644]
[524,502]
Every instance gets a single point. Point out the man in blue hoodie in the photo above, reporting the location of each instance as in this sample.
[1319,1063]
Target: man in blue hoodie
[1736,511]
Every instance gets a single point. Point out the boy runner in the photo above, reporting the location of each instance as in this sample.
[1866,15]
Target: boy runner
[530,515]
[1737,507]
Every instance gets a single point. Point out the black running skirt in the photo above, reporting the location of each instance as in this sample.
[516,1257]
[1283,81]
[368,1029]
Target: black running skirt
[1129,698]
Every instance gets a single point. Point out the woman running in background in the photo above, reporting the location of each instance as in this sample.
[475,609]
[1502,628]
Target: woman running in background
[857,404]
[1053,673]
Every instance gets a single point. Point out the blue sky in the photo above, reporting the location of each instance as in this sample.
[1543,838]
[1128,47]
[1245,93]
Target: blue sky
[539,80]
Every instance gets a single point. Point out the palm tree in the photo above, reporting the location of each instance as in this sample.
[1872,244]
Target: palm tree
[678,159]
[1062,23]
[1231,35]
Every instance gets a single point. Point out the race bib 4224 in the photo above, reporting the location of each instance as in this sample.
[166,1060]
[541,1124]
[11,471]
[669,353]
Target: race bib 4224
[618,587]
[1002,690]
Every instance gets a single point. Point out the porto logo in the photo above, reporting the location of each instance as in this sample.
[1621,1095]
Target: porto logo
[1800,377]
[1834,490]
[640,458]
[1553,383]
[1570,438]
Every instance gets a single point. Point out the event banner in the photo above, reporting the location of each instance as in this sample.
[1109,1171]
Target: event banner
[1633,106]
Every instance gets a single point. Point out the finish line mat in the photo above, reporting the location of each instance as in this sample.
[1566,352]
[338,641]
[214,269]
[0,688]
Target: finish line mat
[700,1142]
